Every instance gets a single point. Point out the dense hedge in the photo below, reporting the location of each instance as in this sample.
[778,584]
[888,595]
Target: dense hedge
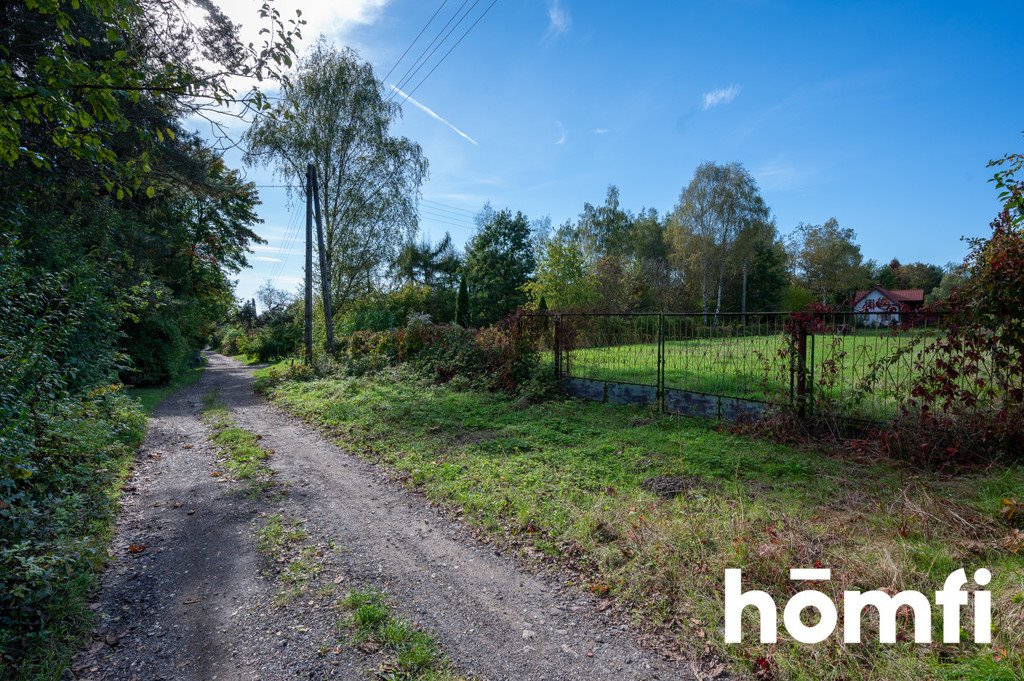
[67,436]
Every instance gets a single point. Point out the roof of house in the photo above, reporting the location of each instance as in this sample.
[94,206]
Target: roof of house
[897,295]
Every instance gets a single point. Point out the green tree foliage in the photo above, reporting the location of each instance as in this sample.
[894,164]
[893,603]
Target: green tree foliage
[896,275]
[333,114]
[118,234]
[499,262]
[718,223]
[953,277]
[74,77]
[827,260]
[434,268]
[796,298]
[563,277]
[768,276]
[428,264]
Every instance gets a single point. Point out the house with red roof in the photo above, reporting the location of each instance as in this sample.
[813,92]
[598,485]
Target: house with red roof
[882,307]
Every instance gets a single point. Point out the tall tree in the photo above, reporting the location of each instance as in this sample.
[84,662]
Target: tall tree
[827,260]
[563,278]
[499,262]
[714,212]
[605,229]
[333,114]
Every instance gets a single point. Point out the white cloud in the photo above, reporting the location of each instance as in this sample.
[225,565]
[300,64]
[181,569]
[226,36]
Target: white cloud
[265,258]
[601,131]
[433,115]
[716,97]
[561,133]
[559,20]
[330,18]
[321,17]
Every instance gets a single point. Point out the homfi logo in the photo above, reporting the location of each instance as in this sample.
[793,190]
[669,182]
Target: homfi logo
[952,598]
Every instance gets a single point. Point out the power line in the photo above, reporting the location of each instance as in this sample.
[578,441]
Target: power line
[449,207]
[429,21]
[347,209]
[448,211]
[424,57]
[448,218]
[457,43]
[450,224]
[275,272]
[291,232]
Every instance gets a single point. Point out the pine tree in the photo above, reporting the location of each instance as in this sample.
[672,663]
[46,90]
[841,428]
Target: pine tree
[542,306]
[462,304]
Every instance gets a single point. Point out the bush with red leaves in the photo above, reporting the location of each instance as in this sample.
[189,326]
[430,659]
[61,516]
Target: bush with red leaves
[967,403]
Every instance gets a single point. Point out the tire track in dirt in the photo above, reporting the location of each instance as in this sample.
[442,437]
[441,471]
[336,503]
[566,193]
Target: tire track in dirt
[183,596]
[492,617]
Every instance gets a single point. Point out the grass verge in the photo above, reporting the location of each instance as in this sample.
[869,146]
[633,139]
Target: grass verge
[652,510]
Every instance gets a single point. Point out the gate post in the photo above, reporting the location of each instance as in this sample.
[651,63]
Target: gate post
[558,348]
[801,368]
[661,362]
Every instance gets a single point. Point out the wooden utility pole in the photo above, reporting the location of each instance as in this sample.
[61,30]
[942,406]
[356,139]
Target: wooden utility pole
[325,266]
[309,267]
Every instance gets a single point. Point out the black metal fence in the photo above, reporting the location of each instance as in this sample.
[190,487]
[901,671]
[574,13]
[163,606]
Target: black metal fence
[857,365]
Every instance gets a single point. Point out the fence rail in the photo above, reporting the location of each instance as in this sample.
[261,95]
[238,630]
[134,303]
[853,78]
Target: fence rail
[859,365]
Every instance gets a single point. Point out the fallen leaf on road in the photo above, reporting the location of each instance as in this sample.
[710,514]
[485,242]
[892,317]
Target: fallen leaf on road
[216,474]
[136,548]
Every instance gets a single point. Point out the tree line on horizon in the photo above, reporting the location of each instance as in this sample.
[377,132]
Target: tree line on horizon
[718,250]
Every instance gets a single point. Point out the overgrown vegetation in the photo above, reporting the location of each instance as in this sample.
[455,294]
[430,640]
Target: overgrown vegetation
[967,404]
[118,230]
[57,507]
[652,509]
[500,357]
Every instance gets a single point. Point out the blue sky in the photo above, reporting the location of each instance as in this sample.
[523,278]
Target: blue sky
[880,114]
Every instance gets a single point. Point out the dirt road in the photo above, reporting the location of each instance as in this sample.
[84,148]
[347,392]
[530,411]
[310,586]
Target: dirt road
[187,596]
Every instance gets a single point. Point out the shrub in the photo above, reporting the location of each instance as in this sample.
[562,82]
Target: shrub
[156,350]
[968,400]
[231,341]
[271,342]
[501,357]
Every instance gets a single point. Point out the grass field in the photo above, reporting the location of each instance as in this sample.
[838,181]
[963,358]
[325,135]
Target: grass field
[578,483]
[869,373]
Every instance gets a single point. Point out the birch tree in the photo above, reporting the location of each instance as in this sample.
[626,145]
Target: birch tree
[334,113]
[715,210]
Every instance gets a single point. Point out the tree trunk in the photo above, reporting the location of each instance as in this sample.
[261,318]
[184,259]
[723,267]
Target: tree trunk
[743,302]
[721,285]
